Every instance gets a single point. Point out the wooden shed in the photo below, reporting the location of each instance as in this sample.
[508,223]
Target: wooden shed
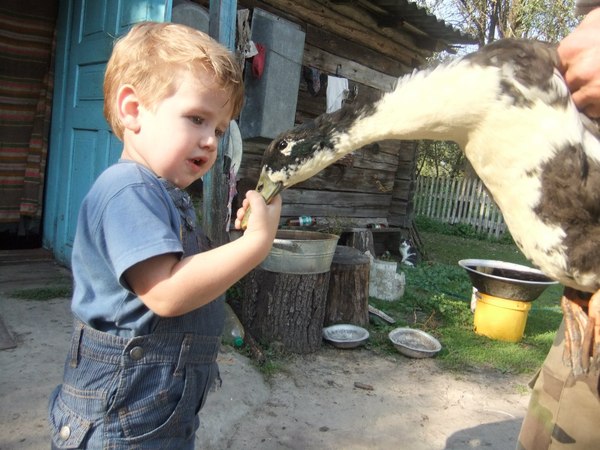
[66,142]
[370,44]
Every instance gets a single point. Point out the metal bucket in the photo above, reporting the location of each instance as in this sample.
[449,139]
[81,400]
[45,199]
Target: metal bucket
[301,252]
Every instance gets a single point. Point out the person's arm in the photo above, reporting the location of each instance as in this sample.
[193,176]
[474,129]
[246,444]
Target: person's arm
[171,287]
[579,55]
[585,6]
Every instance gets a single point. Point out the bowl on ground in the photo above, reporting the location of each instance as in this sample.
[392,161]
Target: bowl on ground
[414,343]
[345,335]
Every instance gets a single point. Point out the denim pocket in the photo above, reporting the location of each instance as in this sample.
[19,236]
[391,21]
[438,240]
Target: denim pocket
[68,428]
[169,412]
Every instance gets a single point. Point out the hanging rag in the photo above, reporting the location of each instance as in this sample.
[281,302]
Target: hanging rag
[234,152]
[312,77]
[258,61]
[337,90]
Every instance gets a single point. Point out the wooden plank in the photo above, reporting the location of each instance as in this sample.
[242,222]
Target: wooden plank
[348,179]
[368,177]
[325,40]
[359,18]
[444,187]
[333,204]
[309,106]
[399,209]
[451,200]
[24,256]
[371,54]
[429,196]
[355,26]
[400,45]
[405,172]
[402,190]
[347,68]
[223,16]
[458,201]
[383,156]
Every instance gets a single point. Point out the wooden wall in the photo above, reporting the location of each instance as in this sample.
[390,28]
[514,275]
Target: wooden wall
[379,184]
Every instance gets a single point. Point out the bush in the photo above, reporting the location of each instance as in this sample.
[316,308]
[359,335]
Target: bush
[459,229]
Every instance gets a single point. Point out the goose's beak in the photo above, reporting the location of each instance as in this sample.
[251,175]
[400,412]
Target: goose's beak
[268,189]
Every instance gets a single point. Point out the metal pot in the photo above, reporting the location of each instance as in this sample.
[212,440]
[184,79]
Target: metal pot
[301,252]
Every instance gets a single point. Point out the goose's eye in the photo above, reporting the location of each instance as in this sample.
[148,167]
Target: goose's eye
[281,145]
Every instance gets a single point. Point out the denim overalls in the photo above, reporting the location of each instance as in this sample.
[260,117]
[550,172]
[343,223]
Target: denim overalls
[142,392]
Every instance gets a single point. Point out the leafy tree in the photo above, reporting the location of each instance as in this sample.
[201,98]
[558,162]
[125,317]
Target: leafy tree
[489,20]
[439,159]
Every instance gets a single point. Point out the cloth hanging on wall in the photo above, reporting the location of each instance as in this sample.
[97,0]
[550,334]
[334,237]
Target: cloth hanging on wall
[258,61]
[315,80]
[337,90]
[26,71]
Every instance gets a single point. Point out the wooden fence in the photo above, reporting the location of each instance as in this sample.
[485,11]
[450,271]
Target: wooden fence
[452,200]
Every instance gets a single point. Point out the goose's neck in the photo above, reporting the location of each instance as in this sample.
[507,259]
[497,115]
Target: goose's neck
[444,104]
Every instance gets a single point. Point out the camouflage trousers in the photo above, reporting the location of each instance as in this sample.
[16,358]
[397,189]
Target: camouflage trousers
[563,412]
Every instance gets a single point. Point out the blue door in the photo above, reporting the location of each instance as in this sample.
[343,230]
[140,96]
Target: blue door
[82,144]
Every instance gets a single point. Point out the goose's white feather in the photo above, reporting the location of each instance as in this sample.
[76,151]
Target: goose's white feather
[512,126]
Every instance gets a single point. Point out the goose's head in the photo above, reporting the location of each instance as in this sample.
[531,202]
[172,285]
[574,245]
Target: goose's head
[303,151]
[300,153]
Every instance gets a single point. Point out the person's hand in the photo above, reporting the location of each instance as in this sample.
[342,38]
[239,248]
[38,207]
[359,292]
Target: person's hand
[579,55]
[264,218]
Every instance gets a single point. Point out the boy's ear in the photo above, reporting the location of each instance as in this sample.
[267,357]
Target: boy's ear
[128,106]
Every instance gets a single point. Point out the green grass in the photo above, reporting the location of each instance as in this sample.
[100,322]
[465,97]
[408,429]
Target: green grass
[42,294]
[437,300]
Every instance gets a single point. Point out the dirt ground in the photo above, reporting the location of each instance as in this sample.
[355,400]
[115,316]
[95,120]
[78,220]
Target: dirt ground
[312,403]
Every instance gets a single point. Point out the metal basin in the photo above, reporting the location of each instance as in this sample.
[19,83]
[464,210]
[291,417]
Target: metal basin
[301,252]
[345,335]
[506,280]
[414,343]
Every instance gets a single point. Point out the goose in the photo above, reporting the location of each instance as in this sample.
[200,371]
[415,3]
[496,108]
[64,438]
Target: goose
[508,108]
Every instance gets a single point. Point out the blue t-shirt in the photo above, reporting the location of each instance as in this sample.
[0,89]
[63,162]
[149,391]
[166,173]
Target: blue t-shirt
[127,217]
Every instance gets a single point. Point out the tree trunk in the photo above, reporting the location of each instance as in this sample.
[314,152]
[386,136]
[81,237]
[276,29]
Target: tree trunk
[348,296]
[285,308]
[362,240]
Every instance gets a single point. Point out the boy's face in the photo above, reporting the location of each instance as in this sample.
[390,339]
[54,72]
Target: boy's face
[178,140]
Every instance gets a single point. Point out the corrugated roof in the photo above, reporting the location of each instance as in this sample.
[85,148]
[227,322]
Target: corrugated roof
[399,11]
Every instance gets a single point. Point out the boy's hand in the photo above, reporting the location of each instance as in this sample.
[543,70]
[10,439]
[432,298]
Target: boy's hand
[264,218]
[579,55]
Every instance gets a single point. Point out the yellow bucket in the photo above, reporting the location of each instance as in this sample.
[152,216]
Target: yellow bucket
[500,318]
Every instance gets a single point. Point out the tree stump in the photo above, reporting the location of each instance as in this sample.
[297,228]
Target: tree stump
[285,308]
[361,239]
[348,295]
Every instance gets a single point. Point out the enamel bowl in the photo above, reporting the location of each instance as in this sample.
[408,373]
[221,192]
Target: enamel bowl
[345,335]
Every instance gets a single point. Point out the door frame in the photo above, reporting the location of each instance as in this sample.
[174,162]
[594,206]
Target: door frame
[56,196]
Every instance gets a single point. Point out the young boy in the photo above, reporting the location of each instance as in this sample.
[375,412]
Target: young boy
[146,301]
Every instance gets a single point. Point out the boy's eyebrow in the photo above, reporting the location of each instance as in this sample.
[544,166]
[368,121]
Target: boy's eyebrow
[202,112]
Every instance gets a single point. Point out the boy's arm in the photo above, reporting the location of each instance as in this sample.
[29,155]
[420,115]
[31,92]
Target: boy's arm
[171,287]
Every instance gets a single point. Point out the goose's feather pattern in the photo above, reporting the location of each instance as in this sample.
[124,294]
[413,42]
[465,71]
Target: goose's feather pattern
[509,109]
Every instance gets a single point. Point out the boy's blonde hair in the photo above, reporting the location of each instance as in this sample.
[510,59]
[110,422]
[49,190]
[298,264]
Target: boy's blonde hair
[151,58]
